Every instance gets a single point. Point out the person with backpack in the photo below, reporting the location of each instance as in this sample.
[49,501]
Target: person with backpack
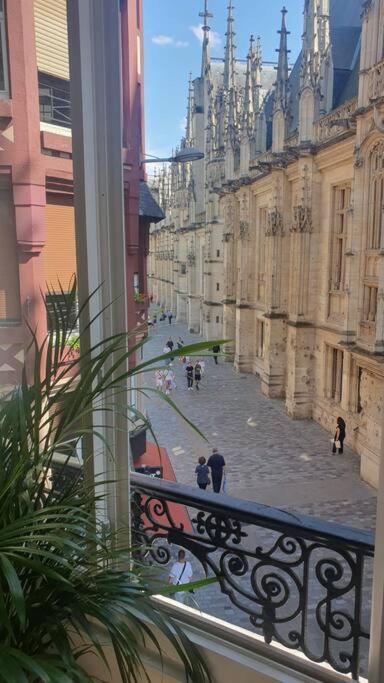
[181,572]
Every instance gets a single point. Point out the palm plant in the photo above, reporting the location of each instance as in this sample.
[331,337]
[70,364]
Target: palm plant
[60,573]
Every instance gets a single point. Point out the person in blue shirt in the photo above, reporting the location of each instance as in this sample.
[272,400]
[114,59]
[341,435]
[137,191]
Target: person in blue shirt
[202,472]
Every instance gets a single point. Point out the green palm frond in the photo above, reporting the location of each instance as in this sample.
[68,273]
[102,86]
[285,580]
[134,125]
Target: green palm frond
[59,582]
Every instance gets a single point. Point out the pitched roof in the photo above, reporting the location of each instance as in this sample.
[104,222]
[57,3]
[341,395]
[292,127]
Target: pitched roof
[148,206]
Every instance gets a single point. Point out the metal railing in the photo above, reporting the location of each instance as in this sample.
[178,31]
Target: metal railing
[55,104]
[294,579]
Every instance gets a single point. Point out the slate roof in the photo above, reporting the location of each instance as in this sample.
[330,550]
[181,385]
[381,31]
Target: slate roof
[345,20]
[148,206]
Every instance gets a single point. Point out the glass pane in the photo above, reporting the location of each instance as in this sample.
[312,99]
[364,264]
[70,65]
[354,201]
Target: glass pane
[2,47]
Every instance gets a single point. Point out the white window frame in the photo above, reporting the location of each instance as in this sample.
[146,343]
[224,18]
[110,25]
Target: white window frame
[4,94]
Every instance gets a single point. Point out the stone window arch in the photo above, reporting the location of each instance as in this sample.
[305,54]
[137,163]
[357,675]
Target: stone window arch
[376,199]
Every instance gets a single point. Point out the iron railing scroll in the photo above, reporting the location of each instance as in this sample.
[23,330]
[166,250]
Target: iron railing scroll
[299,581]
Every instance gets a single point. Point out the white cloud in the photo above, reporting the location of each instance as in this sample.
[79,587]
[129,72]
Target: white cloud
[181,43]
[214,38]
[162,40]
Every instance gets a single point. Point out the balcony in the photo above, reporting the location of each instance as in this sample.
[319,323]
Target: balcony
[293,581]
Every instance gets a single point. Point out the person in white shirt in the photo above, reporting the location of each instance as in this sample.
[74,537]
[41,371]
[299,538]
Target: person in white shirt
[181,572]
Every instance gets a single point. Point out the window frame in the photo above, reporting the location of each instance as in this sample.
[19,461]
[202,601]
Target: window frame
[339,234]
[376,198]
[4,94]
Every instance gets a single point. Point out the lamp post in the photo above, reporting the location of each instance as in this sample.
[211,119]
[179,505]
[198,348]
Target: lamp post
[182,156]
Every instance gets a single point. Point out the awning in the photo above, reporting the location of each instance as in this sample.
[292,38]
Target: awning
[148,206]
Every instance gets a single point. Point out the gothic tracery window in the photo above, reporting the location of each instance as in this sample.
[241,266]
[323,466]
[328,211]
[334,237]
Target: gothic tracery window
[340,220]
[376,204]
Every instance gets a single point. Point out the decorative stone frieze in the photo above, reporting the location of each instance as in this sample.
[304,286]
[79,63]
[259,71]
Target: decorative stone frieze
[376,81]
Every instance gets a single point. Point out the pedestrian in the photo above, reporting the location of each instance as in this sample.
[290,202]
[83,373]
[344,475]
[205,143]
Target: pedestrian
[216,463]
[166,350]
[189,373]
[169,380]
[170,344]
[169,316]
[202,472]
[181,572]
[180,343]
[215,351]
[338,439]
[159,379]
[197,373]
[154,319]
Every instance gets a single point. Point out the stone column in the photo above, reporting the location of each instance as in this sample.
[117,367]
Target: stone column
[244,312]
[20,150]
[274,367]
[300,331]
[229,203]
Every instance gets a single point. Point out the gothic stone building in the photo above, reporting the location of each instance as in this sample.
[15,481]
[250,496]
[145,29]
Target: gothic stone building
[294,205]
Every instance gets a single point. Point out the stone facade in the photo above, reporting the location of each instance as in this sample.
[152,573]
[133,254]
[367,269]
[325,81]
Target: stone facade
[301,237]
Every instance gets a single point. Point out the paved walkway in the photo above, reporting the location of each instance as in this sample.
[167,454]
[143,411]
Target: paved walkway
[270,458]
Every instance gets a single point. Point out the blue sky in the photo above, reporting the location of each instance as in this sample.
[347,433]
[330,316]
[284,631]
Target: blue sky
[173,49]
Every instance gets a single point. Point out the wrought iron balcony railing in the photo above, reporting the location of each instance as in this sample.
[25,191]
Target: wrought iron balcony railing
[294,579]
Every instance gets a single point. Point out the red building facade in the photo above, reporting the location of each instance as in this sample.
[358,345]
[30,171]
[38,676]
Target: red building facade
[37,226]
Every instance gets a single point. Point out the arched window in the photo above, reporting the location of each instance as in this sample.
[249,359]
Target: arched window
[376,203]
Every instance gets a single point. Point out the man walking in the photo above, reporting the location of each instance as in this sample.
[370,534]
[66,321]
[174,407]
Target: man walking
[216,463]
[181,572]
[215,351]
[197,375]
[170,316]
[189,373]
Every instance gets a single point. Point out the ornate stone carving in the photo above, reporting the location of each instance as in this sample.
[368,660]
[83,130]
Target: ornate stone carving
[227,237]
[376,81]
[336,122]
[302,219]
[243,229]
[359,161]
[275,223]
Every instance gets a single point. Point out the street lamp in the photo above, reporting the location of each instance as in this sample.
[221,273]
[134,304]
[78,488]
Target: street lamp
[182,156]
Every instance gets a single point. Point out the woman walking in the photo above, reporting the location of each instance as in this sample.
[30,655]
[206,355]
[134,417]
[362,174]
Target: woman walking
[159,378]
[338,439]
[202,472]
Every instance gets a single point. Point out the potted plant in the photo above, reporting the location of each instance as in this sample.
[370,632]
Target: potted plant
[60,572]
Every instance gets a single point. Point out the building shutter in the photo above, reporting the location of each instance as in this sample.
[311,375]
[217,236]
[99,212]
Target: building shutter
[52,37]
[60,244]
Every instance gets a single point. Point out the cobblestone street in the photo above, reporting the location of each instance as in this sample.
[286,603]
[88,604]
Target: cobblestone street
[270,458]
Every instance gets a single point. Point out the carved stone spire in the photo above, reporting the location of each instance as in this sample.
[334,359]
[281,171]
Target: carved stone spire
[189,131]
[257,67]
[248,112]
[281,85]
[229,59]
[316,60]
[205,56]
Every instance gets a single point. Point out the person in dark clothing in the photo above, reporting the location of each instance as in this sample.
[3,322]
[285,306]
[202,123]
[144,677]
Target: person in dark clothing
[197,375]
[170,316]
[180,343]
[189,373]
[216,463]
[202,472]
[215,351]
[339,437]
[170,344]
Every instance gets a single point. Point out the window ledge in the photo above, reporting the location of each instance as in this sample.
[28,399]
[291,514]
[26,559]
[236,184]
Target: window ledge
[6,109]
